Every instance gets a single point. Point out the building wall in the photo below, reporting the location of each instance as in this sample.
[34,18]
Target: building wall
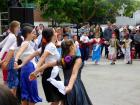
[37,16]
[122,20]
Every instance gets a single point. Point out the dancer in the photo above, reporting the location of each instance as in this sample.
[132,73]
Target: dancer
[127,46]
[76,93]
[29,91]
[4,71]
[49,54]
[10,44]
[114,43]
[96,53]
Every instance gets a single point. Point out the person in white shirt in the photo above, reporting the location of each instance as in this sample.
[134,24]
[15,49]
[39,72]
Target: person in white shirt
[10,44]
[29,90]
[50,76]
[84,48]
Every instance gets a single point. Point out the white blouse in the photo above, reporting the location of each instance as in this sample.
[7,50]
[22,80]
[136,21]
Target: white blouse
[9,43]
[28,51]
[54,54]
[84,39]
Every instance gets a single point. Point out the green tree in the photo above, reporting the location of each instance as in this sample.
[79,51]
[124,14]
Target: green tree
[79,11]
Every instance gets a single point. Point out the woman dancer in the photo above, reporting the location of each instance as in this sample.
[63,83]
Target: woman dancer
[29,91]
[76,93]
[97,43]
[10,44]
[49,54]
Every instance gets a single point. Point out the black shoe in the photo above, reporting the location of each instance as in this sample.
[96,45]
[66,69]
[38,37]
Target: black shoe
[112,63]
[128,62]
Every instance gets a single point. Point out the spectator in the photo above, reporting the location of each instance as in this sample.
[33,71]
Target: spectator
[6,96]
[127,27]
[65,36]
[137,42]
[107,36]
[116,31]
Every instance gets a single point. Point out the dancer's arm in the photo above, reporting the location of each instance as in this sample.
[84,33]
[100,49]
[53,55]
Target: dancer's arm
[8,42]
[73,77]
[21,50]
[7,59]
[27,59]
[42,59]
[34,74]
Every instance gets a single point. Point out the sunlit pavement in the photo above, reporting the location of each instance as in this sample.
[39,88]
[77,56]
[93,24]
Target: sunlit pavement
[109,84]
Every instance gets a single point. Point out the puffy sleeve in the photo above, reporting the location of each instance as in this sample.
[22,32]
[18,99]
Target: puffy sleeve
[50,48]
[9,42]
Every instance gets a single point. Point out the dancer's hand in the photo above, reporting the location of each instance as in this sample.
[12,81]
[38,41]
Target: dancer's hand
[68,89]
[33,76]
[16,66]
[4,65]
[1,62]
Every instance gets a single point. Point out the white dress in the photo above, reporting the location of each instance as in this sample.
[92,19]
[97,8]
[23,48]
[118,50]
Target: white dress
[127,53]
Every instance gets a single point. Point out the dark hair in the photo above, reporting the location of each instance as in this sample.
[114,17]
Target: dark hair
[65,34]
[27,24]
[66,45]
[6,97]
[26,30]
[47,34]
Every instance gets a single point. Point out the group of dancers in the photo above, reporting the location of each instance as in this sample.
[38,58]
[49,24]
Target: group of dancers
[24,62]
[98,43]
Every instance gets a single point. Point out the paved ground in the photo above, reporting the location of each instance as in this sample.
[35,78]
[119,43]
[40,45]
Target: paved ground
[110,85]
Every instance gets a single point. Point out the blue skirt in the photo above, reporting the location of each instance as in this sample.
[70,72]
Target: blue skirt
[96,53]
[12,78]
[29,90]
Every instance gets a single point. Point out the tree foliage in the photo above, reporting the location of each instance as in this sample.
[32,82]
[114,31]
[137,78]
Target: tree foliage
[77,11]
